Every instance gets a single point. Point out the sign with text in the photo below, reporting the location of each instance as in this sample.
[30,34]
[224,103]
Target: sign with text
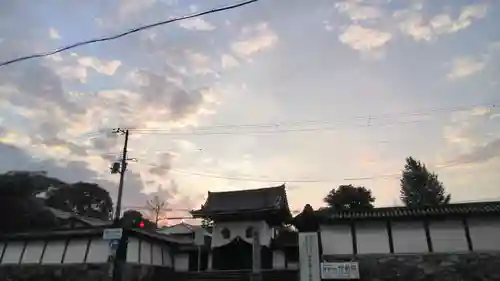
[339,270]
[309,256]
[112,234]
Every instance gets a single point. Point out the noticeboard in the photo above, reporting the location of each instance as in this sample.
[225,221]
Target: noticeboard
[340,270]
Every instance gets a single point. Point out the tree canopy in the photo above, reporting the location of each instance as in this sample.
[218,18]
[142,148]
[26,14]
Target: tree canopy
[131,219]
[22,210]
[81,198]
[25,195]
[349,197]
[419,187]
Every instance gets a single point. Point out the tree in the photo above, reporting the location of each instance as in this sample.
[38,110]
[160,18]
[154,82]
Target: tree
[349,197]
[81,198]
[419,187]
[22,210]
[207,223]
[131,219]
[156,206]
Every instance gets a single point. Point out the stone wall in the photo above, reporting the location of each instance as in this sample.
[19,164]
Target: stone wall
[430,267]
[83,272]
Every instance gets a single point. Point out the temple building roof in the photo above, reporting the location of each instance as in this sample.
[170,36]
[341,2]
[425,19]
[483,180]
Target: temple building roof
[239,202]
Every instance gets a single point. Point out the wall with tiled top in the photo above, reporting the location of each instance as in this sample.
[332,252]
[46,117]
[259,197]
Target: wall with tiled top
[411,236]
[81,250]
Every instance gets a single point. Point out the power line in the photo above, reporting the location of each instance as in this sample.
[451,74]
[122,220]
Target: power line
[360,117]
[270,180]
[113,37]
[278,127]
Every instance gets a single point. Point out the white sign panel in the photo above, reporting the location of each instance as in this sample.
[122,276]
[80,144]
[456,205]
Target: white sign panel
[339,270]
[112,233]
[309,256]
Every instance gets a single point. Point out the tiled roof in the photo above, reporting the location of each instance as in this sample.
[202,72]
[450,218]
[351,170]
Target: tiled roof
[63,215]
[404,212]
[270,198]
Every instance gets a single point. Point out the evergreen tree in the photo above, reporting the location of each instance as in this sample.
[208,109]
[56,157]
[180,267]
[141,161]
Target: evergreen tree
[419,187]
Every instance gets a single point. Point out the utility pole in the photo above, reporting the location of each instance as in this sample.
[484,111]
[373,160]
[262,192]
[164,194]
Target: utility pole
[122,166]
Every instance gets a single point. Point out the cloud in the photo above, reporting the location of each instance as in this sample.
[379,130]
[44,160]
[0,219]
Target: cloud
[357,12]
[480,154]
[228,61]
[414,24]
[470,135]
[254,39]
[101,66]
[197,24]
[364,39]
[54,34]
[465,66]
[164,164]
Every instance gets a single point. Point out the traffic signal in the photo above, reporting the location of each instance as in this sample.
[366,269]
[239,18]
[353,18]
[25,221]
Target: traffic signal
[139,224]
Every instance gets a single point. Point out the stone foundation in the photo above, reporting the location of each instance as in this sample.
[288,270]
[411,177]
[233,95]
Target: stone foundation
[430,267]
[81,272]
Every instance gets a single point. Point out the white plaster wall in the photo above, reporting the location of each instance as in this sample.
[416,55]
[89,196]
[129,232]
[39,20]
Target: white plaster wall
[278,259]
[13,252]
[53,252]
[336,239]
[372,238]
[98,251]
[157,255]
[133,250]
[239,229]
[145,257]
[409,237]
[448,236]
[181,262]
[485,234]
[33,252]
[75,252]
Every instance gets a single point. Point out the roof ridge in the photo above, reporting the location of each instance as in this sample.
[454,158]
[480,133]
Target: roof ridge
[247,190]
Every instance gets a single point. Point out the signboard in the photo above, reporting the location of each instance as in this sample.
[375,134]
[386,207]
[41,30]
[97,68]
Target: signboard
[112,234]
[339,270]
[309,256]
[113,244]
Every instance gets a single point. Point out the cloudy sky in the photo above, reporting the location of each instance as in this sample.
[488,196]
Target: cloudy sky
[311,93]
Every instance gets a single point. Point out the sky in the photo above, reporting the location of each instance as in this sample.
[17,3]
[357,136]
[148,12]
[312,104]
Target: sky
[313,94]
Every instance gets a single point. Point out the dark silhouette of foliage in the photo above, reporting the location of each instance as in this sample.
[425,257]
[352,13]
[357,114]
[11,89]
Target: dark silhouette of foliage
[419,187]
[132,218]
[25,196]
[349,197]
[207,223]
[81,198]
[22,210]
